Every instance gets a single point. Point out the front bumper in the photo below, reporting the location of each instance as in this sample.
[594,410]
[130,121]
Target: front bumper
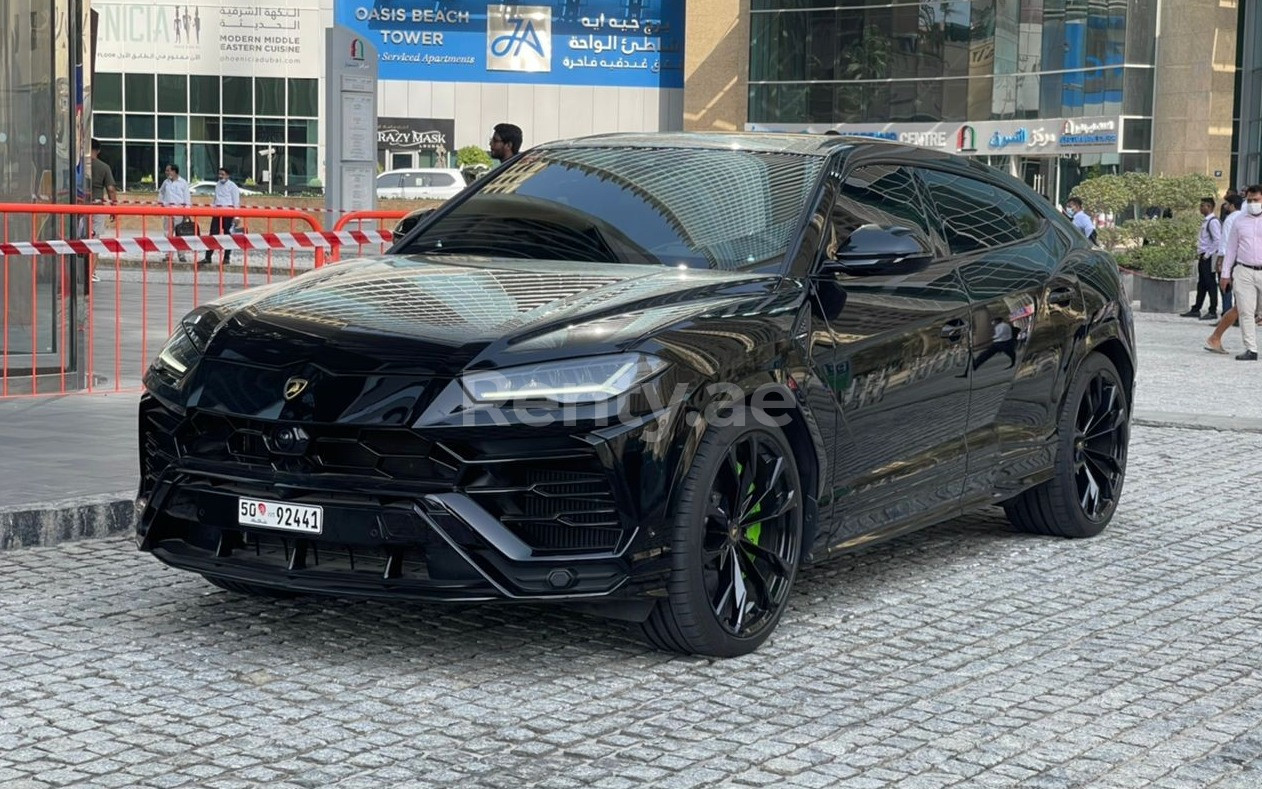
[498,525]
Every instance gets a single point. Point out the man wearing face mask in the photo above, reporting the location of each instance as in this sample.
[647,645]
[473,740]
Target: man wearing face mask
[227,195]
[1073,206]
[1242,269]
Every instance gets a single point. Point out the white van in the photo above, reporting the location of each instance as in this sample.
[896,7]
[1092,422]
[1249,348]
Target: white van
[422,183]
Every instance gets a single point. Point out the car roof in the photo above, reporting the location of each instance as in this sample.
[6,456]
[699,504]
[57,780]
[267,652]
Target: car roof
[759,142]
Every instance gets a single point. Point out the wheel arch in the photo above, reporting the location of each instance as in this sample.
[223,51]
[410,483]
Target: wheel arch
[800,430]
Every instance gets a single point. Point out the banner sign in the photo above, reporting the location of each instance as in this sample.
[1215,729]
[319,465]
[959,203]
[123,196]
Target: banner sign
[1049,136]
[416,134]
[614,43]
[226,38]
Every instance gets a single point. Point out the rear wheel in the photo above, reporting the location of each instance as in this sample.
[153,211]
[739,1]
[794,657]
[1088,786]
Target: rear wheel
[254,590]
[737,540]
[1093,436]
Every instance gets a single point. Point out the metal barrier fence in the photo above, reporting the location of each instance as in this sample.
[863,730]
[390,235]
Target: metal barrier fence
[84,311]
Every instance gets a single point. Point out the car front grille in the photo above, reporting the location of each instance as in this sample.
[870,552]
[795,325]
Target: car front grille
[551,491]
[379,452]
[567,508]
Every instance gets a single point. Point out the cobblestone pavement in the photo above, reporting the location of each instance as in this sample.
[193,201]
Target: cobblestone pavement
[960,655]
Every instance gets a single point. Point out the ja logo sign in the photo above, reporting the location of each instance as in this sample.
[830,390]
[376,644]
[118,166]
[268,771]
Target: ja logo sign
[519,38]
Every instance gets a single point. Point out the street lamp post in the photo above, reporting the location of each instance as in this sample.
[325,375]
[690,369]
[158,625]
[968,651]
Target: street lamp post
[269,152]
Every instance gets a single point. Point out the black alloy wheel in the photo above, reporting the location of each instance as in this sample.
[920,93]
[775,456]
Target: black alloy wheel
[737,542]
[1101,436]
[1093,435]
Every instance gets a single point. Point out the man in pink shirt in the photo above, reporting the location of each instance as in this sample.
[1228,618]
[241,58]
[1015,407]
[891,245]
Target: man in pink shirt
[1242,269]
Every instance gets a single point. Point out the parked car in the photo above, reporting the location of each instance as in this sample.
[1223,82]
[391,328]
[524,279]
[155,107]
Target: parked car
[429,183]
[207,189]
[587,381]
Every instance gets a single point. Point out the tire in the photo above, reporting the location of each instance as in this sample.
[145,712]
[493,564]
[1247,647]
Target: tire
[709,608]
[1092,435]
[253,590]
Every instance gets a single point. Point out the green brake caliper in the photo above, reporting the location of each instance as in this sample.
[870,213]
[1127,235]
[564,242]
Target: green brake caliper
[754,531]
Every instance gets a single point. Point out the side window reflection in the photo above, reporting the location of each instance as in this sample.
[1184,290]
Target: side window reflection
[976,215]
[884,195]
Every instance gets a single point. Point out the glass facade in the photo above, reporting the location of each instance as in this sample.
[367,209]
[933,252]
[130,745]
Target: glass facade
[851,61]
[43,99]
[199,122]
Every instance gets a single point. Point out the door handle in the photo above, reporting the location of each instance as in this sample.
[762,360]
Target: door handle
[953,330]
[1060,296]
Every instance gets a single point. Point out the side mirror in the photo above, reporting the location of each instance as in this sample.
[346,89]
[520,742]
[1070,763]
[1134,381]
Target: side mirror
[872,249]
[408,222]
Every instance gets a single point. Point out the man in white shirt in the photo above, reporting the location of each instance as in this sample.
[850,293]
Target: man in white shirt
[1207,246]
[174,192]
[1231,212]
[1080,218]
[227,195]
[1242,268]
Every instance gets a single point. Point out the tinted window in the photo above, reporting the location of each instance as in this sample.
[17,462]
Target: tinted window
[389,181]
[976,215]
[441,179]
[877,194]
[703,208]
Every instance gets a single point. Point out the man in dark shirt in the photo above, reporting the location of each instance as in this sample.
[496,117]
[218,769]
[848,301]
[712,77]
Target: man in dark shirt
[505,142]
[103,186]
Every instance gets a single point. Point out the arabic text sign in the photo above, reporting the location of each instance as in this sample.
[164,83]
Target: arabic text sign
[597,42]
[222,38]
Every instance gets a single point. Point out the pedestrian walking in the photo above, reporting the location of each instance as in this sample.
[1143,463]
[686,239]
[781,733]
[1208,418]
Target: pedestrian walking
[1207,246]
[174,192]
[227,195]
[1073,206]
[103,187]
[1242,268]
[1231,208]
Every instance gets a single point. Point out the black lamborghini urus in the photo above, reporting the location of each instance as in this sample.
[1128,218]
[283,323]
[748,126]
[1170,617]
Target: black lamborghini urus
[651,376]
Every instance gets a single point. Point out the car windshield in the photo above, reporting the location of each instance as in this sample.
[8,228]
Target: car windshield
[696,207]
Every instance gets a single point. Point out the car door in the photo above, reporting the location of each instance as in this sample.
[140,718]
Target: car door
[896,354]
[389,186]
[1023,314]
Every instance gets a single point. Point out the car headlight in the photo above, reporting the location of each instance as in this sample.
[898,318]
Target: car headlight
[189,341]
[591,380]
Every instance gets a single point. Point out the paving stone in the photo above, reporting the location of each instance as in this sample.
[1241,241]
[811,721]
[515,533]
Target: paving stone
[962,654]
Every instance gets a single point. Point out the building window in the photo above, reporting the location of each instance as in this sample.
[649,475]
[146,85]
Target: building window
[238,96]
[172,93]
[269,96]
[303,98]
[204,95]
[138,92]
[107,93]
[200,122]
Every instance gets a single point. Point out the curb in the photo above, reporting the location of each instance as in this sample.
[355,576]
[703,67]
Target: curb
[51,523]
[1174,419]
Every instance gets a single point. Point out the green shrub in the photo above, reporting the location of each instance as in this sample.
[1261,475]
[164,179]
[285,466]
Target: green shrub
[1160,261]
[473,155]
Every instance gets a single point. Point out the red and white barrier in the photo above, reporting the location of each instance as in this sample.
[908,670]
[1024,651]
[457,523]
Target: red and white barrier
[139,245]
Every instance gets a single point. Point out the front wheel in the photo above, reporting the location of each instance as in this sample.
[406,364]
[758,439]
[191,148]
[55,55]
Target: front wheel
[1093,435]
[737,541]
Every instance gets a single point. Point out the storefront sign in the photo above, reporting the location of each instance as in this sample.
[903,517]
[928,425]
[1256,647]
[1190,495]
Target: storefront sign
[1048,137]
[228,38]
[415,134]
[563,42]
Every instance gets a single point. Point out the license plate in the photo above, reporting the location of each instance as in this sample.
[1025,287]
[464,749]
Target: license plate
[280,515]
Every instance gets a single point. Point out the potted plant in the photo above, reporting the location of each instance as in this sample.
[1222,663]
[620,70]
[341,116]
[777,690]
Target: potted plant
[1163,269]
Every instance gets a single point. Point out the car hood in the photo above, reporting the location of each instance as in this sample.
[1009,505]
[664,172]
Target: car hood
[391,322]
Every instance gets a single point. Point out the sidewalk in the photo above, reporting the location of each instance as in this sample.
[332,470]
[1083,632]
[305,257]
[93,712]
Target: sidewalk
[69,464]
